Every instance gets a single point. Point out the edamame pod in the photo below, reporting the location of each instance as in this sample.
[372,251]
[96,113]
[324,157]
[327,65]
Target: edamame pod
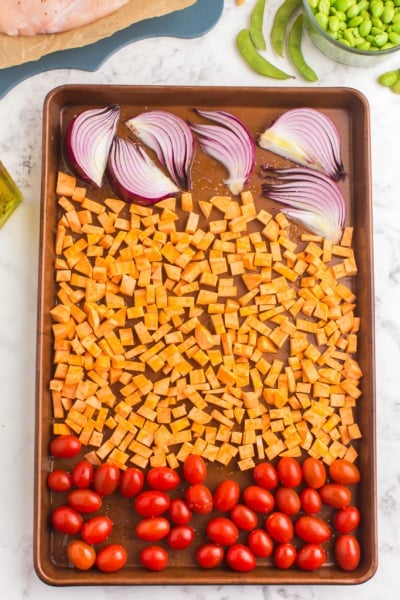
[280,23]
[256,25]
[295,51]
[257,62]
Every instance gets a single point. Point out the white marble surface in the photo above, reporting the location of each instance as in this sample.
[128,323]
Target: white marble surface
[210,60]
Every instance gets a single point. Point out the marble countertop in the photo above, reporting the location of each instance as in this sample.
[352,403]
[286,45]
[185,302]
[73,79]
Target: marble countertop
[209,60]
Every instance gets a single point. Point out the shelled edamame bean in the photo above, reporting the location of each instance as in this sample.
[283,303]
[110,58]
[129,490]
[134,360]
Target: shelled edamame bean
[391,79]
[370,25]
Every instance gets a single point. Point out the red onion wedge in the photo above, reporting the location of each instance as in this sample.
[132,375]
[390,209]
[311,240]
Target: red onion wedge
[308,137]
[135,177]
[171,139]
[313,199]
[229,142]
[88,141]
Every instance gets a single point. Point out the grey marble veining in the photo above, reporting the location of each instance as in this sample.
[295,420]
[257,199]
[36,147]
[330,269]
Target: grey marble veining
[209,60]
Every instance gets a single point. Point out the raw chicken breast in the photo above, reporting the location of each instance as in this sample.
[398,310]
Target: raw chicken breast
[30,17]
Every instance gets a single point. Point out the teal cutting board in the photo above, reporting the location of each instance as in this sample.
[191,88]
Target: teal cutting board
[188,23]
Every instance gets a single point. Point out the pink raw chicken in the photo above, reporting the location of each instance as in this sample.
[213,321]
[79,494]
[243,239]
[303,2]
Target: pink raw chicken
[31,17]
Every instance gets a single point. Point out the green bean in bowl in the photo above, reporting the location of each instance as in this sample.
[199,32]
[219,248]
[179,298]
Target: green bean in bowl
[358,33]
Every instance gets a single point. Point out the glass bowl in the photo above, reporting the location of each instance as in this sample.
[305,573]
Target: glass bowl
[337,50]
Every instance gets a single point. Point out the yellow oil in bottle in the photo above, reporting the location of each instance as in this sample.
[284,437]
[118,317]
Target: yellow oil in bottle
[10,196]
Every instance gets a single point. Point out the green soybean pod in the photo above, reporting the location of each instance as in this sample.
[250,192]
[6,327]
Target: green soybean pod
[295,51]
[257,62]
[280,23]
[256,25]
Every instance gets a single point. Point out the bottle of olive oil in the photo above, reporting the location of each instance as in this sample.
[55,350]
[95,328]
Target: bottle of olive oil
[10,196]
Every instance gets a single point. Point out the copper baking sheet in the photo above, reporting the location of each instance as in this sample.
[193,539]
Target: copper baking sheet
[257,107]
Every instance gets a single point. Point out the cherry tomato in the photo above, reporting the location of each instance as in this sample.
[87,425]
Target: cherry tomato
[287,500]
[67,520]
[310,500]
[131,482]
[265,475]
[199,498]
[180,537]
[279,527]
[82,474]
[106,479]
[97,529]
[260,543]
[151,503]
[84,500]
[347,552]
[346,519]
[226,495]
[284,556]
[162,478]
[152,529]
[335,495]
[111,558]
[222,531]
[240,558]
[65,446]
[81,555]
[312,529]
[209,555]
[179,511]
[343,471]
[194,469]
[314,472]
[244,517]
[258,499]
[59,480]
[310,557]
[154,558]
[289,470]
